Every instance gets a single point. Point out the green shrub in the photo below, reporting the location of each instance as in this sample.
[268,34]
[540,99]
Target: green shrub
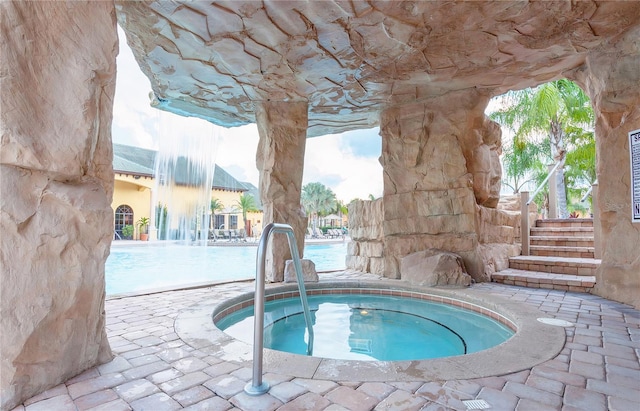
[127,232]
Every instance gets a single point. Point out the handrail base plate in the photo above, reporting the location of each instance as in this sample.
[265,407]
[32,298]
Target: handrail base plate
[249,389]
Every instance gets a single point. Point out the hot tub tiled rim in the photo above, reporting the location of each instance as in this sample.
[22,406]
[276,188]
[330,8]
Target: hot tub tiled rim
[533,343]
[246,300]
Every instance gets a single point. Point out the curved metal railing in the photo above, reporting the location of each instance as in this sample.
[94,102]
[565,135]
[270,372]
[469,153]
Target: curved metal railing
[257,386]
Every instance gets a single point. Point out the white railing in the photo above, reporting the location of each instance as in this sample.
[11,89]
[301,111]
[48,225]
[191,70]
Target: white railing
[553,206]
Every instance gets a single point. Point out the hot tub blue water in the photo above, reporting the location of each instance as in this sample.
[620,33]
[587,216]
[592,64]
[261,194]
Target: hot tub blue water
[370,328]
[144,267]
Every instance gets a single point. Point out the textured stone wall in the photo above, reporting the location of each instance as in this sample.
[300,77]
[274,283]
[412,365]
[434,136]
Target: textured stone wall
[438,164]
[280,158]
[611,77]
[497,229]
[442,181]
[498,238]
[58,82]
[365,250]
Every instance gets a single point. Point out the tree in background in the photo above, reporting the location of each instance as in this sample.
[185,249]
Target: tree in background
[317,199]
[522,162]
[550,109]
[216,205]
[341,209]
[247,204]
[580,167]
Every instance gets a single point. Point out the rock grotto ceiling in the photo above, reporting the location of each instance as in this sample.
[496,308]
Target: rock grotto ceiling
[423,71]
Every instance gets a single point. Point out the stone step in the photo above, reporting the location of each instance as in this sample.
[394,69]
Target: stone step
[557,265]
[561,241]
[536,279]
[561,251]
[566,222]
[562,231]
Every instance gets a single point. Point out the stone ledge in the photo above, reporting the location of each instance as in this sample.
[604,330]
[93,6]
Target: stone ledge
[562,262]
[562,230]
[536,279]
[561,251]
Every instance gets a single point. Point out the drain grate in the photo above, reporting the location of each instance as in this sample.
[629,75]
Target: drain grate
[476,404]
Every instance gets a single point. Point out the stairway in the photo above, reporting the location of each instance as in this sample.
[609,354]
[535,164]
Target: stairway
[562,257]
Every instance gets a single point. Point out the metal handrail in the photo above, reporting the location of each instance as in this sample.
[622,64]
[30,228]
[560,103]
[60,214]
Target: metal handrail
[257,386]
[537,190]
[584,197]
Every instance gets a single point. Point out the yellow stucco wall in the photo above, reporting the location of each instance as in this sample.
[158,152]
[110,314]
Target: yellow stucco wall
[137,193]
[133,193]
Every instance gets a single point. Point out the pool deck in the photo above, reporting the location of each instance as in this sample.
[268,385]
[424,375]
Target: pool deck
[153,369]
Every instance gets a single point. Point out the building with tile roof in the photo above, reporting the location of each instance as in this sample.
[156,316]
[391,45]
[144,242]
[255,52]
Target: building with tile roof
[133,193]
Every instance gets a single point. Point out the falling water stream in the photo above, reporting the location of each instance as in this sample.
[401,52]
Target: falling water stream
[184,169]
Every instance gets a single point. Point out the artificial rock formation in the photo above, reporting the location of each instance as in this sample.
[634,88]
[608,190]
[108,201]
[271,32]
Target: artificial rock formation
[350,60]
[497,232]
[365,250]
[58,82]
[283,134]
[429,195]
[611,79]
[423,70]
[309,273]
[432,268]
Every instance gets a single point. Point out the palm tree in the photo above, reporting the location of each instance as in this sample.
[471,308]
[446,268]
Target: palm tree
[581,165]
[216,205]
[341,209]
[317,199]
[548,109]
[522,162]
[247,204]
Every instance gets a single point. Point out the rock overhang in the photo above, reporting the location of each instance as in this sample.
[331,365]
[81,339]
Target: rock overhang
[351,59]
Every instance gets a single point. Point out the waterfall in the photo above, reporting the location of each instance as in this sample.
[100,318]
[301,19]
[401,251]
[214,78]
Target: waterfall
[184,167]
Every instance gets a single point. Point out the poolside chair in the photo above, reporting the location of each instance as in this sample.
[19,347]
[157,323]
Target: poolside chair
[224,234]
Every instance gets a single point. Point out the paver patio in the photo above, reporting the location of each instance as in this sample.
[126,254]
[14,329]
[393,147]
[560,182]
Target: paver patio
[153,369]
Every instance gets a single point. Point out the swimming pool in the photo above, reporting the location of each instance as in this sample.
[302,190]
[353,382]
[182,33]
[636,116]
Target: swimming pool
[151,266]
[368,327]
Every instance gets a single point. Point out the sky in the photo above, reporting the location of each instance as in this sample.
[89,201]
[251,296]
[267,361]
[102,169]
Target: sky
[347,163]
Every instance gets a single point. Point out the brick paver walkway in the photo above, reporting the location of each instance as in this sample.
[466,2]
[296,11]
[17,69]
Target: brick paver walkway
[154,370]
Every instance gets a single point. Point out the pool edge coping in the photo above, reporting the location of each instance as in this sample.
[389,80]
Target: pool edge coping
[533,343]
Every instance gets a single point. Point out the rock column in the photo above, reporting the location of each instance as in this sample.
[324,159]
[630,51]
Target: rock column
[365,251]
[611,77]
[282,127]
[436,158]
[58,82]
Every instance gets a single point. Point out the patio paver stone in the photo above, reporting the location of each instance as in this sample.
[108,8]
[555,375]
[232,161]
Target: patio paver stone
[153,369]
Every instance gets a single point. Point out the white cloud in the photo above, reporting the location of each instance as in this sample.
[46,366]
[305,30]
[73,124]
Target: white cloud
[237,152]
[135,121]
[331,162]
[328,159]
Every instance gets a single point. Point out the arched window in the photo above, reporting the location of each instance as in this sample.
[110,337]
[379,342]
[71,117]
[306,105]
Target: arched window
[124,216]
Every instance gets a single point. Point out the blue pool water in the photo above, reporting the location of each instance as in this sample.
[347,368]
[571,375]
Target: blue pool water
[138,268]
[370,328]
